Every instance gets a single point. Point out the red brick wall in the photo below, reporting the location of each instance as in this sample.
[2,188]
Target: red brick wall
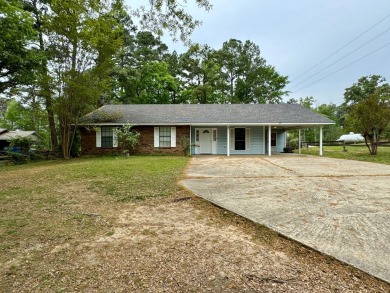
[145,146]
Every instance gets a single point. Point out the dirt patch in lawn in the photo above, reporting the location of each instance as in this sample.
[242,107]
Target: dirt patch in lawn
[175,244]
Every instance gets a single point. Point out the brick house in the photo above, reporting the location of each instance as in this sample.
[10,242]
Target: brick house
[221,129]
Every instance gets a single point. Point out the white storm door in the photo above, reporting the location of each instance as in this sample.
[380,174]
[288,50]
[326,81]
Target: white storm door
[205,140]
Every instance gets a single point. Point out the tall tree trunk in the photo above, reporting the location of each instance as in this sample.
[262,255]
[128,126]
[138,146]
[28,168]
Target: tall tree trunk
[66,119]
[44,82]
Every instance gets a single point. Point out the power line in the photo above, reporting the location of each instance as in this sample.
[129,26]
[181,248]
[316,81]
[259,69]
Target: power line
[334,53]
[338,60]
[349,64]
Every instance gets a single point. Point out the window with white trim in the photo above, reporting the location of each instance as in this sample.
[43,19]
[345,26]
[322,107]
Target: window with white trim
[240,139]
[107,137]
[165,136]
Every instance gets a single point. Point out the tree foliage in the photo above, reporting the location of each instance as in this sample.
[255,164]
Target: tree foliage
[19,57]
[91,53]
[368,104]
[127,138]
[171,16]
[248,79]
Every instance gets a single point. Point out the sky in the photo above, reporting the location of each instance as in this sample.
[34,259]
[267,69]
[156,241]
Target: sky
[323,47]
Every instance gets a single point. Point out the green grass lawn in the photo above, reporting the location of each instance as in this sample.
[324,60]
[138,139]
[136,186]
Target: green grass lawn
[354,152]
[48,202]
[117,224]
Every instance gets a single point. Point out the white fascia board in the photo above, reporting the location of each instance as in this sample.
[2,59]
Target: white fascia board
[101,124]
[261,124]
[208,124]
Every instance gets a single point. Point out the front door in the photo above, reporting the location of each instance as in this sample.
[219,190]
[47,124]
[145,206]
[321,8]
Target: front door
[205,140]
[273,141]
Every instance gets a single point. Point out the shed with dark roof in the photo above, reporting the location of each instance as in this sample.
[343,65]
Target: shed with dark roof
[207,128]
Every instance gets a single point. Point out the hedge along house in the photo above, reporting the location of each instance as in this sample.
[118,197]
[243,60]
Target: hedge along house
[220,129]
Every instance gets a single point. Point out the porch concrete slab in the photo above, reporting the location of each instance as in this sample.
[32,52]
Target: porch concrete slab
[338,207]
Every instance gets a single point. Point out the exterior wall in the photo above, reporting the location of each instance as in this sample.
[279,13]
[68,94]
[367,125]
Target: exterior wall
[145,146]
[146,141]
[256,141]
[280,140]
[88,144]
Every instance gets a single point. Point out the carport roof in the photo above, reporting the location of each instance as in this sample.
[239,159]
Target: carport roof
[201,114]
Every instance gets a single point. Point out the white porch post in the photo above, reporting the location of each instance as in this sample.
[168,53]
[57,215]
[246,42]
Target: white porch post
[190,142]
[269,140]
[299,141]
[320,140]
[228,141]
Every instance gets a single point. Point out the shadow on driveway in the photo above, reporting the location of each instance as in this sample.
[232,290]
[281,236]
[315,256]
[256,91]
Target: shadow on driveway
[338,207]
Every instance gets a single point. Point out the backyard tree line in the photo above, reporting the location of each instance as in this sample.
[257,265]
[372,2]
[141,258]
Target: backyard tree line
[62,59]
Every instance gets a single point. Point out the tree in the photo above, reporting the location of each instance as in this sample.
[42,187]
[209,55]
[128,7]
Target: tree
[307,102]
[83,37]
[43,85]
[331,132]
[19,57]
[370,117]
[142,75]
[248,78]
[154,84]
[171,16]
[200,74]
[364,88]
[292,101]
[127,138]
[368,106]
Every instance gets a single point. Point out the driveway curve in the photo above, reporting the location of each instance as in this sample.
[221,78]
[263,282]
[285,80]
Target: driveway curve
[338,207]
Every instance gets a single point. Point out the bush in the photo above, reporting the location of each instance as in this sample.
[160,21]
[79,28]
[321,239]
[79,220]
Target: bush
[20,150]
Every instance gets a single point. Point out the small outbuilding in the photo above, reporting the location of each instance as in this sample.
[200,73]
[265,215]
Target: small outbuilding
[6,136]
[215,129]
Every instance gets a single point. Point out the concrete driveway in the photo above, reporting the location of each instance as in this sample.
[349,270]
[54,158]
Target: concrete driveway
[338,207]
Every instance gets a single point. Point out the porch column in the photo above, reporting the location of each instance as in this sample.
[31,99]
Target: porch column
[320,140]
[269,140]
[299,141]
[190,142]
[228,141]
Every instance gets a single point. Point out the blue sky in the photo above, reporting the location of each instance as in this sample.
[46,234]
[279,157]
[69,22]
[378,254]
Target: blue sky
[296,35]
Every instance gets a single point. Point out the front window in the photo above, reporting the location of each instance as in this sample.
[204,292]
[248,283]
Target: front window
[165,136]
[107,137]
[239,142]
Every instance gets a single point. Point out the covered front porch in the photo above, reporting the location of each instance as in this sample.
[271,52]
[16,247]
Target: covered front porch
[243,139]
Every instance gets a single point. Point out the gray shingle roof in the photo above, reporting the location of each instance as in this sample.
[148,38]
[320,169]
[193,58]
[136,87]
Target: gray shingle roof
[169,114]
[14,134]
